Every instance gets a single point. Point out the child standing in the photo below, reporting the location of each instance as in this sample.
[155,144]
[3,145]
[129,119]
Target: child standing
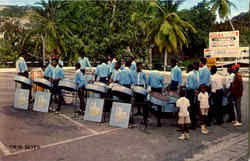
[204,107]
[183,114]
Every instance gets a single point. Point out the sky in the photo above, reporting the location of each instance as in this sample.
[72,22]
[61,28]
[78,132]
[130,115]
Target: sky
[242,5]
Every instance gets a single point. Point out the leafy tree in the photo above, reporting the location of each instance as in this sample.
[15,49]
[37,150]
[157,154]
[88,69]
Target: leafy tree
[169,31]
[47,28]
[196,16]
[223,7]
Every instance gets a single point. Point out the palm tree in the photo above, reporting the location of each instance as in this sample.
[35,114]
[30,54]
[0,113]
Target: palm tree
[223,7]
[168,31]
[47,29]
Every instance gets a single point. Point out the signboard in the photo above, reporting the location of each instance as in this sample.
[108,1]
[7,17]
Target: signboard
[228,39]
[227,52]
[211,62]
[94,109]
[21,99]
[42,101]
[120,114]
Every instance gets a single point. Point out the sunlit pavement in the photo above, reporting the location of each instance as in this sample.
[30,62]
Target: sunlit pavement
[62,138]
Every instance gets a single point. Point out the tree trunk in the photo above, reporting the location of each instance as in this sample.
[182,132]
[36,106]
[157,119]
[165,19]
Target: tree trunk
[150,58]
[230,22]
[43,50]
[113,13]
[165,59]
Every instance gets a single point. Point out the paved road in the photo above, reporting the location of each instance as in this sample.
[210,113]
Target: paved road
[63,139]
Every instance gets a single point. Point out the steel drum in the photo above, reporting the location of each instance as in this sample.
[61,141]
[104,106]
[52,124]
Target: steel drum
[44,83]
[95,88]
[140,90]
[122,89]
[67,85]
[23,80]
[156,101]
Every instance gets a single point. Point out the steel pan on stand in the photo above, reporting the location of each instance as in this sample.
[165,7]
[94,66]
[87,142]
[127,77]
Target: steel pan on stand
[70,92]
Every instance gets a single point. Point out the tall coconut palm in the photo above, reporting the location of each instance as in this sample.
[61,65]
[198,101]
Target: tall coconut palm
[223,7]
[47,29]
[167,29]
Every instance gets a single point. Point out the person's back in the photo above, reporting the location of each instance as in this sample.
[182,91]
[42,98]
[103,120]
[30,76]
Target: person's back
[237,85]
[204,73]
[102,70]
[125,77]
[155,80]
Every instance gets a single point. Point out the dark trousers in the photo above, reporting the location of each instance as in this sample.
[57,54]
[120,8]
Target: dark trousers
[159,108]
[25,86]
[237,105]
[173,85]
[193,110]
[81,98]
[104,80]
[141,104]
[216,109]
[56,91]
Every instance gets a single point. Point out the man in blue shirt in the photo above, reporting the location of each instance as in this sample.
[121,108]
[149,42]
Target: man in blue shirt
[80,84]
[190,89]
[176,75]
[155,81]
[84,61]
[22,69]
[125,77]
[56,75]
[102,71]
[133,63]
[115,73]
[111,63]
[47,72]
[204,73]
[122,63]
[21,66]
[139,80]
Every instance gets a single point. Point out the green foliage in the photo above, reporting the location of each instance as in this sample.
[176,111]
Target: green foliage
[196,16]
[165,27]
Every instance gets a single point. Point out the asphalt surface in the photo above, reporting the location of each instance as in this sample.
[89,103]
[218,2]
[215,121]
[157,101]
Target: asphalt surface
[61,138]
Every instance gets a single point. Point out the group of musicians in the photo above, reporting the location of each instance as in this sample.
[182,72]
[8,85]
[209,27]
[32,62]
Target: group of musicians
[130,73]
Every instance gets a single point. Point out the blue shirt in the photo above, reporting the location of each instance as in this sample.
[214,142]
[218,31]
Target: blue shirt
[176,75]
[133,66]
[139,78]
[114,75]
[102,70]
[84,62]
[190,84]
[21,65]
[125,77]
[57,73]
[204,76]
[122,67]
[79,79]
[111,65]
[60,62]
[196,79]
[155,80]
[48,70]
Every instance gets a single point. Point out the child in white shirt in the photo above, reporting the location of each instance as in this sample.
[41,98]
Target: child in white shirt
[183,115]
[204,107]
